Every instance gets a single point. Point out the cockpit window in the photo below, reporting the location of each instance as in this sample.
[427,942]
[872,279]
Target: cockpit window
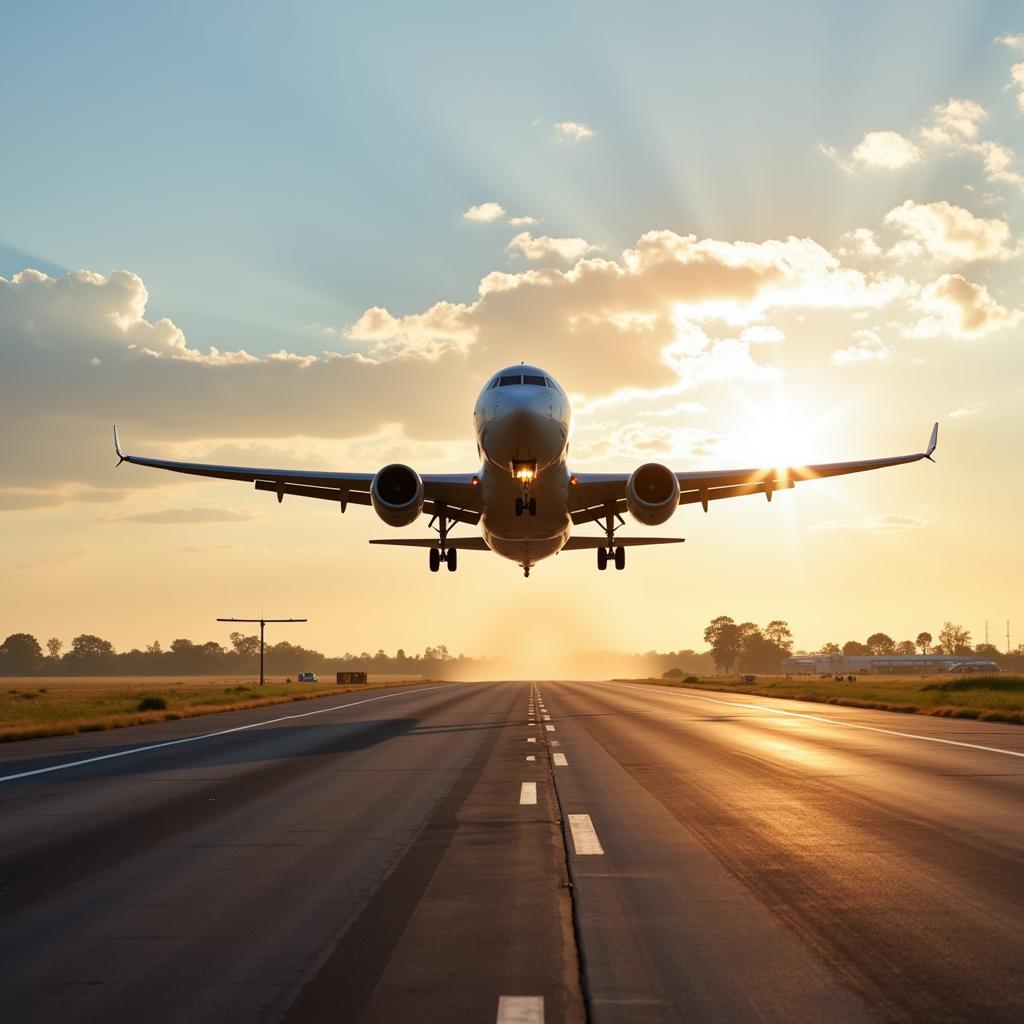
[552,384]
[532,378]
[494,383]
[510,379]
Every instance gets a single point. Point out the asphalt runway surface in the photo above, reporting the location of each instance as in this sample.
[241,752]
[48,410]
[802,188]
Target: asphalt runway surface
[517,852]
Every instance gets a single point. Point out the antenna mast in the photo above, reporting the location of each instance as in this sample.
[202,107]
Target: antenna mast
[263,625]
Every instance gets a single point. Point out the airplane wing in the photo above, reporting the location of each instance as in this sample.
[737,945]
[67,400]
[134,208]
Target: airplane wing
[596,495]
[456,490]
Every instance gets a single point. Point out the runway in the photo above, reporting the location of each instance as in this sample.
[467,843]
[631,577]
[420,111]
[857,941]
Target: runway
[517,852]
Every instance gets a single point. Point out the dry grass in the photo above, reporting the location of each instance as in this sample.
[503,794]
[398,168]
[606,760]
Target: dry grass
[986,698]
[34,707]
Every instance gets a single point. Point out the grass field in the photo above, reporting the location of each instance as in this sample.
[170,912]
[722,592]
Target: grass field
[988,698]
[59,706]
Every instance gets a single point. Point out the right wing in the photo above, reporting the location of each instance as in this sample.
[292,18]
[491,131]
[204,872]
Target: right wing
[457,491]
[595,495]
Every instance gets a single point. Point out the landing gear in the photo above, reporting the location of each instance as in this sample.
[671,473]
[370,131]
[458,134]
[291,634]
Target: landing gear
[526,505]
[442,552]
[611,552]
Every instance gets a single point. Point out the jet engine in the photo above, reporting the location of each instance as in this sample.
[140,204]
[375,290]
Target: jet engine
[652,494]
[397,495]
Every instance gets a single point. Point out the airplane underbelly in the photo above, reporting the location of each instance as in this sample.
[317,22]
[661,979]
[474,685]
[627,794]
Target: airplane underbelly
[526,538]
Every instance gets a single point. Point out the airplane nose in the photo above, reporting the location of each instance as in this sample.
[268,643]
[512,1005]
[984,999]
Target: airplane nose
[523,434]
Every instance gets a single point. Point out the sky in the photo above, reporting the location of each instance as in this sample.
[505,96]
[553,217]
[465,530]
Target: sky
[738,235]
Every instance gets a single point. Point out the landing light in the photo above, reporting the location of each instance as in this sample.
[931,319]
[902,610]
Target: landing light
[524,472]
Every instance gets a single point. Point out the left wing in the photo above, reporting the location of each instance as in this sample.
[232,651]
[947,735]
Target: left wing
[596,495]
[456,490]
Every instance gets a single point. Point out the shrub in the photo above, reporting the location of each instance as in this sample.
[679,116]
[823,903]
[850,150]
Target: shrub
[151,703]
[691,679]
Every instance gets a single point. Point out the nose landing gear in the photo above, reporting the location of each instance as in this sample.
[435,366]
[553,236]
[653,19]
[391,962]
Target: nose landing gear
[525,504]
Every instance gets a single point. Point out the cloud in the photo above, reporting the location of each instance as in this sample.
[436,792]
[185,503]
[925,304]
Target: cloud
[942,231]
[1017,71]
[762,333]
[601,324]
[962,411]
[960,308]
[886,150]
[174,516]
[568,250]
[572,131]
[868,348]
[485,213]
[875,524]
[522,221]
[953,122]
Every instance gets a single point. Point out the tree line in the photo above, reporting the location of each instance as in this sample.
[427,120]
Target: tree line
[21,654]
[746,647]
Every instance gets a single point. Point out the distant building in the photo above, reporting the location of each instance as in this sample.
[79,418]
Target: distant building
[886,664]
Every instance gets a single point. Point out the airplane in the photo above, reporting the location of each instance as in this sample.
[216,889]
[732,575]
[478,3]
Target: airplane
[524,498]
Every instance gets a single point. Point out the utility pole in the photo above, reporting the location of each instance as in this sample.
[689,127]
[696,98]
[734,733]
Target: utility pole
[263,625]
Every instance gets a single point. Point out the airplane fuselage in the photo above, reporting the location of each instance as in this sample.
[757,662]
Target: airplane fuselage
[523,423]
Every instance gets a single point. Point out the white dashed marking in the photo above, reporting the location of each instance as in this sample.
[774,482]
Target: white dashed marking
[521,1010]
[528,793]
[550,728]
[531,739]
[560,759]
[584,838]
[531,757]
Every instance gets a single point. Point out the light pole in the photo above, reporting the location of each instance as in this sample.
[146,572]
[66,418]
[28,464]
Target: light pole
[263,625]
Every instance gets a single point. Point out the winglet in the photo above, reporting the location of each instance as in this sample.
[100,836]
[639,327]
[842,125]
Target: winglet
[117,447]
[932,442]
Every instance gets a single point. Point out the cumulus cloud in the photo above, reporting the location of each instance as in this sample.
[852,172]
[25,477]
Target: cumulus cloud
[942,231]
[761,333]
[887,150]
[601,325]
[572,131]
[953,122]
[485,213]
[522,221]
[875,524]
[868,347]
[1017,71]
[959,308]
[568,250]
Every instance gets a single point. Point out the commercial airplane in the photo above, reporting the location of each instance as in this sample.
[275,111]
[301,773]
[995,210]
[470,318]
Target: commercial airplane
[524,498]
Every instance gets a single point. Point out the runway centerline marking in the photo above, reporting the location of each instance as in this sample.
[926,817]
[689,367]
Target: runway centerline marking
[835,721]
[520,1010]
[528,793]
[584,836]
[531,739]
[531,757]
[550,728]
[206,735]
[561,760]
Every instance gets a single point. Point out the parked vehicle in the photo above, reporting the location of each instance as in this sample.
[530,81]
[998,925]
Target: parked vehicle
[307,677]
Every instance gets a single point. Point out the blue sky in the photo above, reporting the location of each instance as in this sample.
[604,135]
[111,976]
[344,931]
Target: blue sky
[268,170]
[794,232]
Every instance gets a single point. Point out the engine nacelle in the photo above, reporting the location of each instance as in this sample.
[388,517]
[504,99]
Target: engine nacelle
[652,494]
[397,495]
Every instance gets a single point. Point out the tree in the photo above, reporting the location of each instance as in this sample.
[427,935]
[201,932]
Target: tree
[987,651]
[91,653]
[20,655]
[880,643]
[924,641]
[53,647]
[245,646]
[723,637]
[759,654]
[831,649]
[906,647]
[778,633]
[954,639]
[154,648]
[852,649]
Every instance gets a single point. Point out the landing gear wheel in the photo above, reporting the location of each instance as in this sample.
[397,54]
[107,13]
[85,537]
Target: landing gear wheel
[532,506]
[452,558]
[519,506]
[620,558]
[435,559]
[602,559]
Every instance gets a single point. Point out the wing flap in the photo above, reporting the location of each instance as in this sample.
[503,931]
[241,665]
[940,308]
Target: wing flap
[459,543]
[590,543]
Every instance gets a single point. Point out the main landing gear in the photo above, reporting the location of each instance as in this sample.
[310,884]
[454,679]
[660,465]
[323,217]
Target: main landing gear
[611,553]
[442,553]
[525,504]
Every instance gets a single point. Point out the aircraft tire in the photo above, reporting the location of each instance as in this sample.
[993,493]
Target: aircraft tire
[435,559]
[620,558]
[452,558]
